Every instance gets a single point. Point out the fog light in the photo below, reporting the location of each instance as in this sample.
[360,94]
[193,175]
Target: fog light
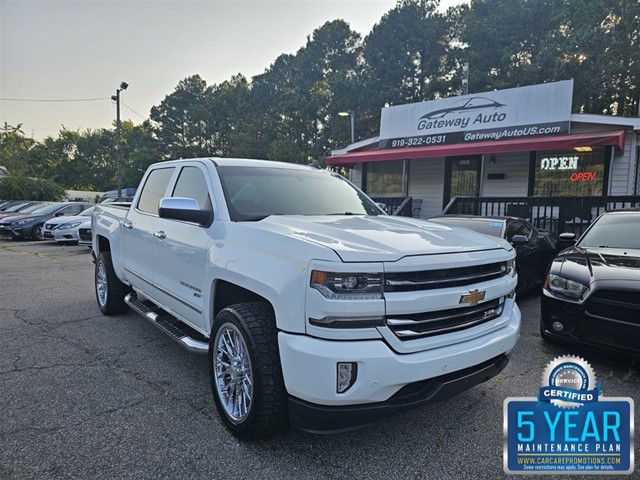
[557,326]
[347,372]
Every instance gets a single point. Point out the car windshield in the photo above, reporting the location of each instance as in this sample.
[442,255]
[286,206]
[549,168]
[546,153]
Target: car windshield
[255,193]
[15,208]
[617,230]
[87,213]
[47,209]
[33,208]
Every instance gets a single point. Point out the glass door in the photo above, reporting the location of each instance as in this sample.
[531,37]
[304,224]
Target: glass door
[462,179]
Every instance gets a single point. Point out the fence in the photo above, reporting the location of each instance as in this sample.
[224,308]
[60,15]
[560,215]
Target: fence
[555,214]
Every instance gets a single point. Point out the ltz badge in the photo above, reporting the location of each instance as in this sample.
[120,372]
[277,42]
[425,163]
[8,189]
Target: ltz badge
[569,428]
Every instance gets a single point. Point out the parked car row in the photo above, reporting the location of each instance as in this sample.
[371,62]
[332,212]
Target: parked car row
[28,222]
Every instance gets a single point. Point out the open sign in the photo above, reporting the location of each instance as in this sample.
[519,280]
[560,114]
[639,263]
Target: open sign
[583,177]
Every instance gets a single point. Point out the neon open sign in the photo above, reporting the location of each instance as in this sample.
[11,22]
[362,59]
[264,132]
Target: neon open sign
[583,177]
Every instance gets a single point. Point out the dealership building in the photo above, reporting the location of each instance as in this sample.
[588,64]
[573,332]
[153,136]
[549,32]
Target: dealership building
[518,152]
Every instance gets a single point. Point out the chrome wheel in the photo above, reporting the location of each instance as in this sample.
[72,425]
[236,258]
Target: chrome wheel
[102,286]
[233,373]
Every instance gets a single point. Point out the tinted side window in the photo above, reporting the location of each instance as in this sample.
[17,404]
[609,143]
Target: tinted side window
[73,209]
[154,190]
[518,228]
[192,184]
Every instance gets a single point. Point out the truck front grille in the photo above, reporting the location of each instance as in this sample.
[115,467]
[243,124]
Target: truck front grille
[445,278]
[419,325]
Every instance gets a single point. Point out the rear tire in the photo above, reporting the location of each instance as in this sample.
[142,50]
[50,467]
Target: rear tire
[110,291]
[245,373]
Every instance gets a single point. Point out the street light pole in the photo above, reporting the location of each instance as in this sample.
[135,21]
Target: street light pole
[116,98]
[351,114]
[465,79]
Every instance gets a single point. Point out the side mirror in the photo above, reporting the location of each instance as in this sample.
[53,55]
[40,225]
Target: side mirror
[519,240]
[566,239]
[59,214]
[185,209]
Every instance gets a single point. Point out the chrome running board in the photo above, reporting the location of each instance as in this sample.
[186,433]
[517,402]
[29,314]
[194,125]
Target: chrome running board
[172,330]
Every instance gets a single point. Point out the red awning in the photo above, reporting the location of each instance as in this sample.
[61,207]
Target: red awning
[586,139]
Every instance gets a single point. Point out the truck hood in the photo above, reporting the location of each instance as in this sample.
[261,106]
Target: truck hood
[379,238]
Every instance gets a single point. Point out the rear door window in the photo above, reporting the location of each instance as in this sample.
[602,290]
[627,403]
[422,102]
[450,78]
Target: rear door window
[154,190]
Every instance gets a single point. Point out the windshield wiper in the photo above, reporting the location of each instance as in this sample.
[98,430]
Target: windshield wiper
[346,213]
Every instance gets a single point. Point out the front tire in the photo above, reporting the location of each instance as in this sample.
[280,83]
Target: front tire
[244,369]
[36,232]
[110,291]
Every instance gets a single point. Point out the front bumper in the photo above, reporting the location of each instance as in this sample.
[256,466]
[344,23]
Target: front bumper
[322,419]
[384,376]
[13,232]
[582,327]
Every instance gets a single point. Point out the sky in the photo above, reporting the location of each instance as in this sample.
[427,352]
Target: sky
[54,51]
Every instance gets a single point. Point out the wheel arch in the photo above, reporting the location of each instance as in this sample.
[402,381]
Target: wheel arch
[103,244]
[225,293]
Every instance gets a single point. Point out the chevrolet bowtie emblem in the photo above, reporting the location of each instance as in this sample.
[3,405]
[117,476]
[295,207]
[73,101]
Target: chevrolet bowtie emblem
[473,298]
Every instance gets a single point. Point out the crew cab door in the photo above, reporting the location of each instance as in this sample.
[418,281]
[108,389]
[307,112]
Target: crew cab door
[181,247]
[138,230]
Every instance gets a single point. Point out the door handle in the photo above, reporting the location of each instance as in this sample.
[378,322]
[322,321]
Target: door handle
[128,224]
[160,235]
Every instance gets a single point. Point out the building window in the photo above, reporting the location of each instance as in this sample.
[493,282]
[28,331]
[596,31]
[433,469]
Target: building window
[569,173]
[387,179]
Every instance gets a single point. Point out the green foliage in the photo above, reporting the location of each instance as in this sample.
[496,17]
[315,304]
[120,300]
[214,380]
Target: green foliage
[19,187]
[15,149]
[414,53]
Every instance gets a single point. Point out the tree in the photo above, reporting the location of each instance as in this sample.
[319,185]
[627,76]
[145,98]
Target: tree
[16,186]
[181,120]
[15,149]
[406,54]
[594,43]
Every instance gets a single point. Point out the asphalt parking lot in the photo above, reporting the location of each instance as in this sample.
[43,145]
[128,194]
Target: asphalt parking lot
[87,396]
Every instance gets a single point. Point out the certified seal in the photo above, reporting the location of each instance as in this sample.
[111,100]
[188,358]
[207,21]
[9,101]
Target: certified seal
[569,382]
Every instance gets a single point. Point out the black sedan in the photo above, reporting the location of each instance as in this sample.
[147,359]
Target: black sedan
[592,292]
[532,256]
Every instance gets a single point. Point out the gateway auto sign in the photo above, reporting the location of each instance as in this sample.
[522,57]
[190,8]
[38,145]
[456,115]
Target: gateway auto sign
[499,115]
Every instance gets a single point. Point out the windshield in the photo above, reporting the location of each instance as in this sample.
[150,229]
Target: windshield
[619,230]
[87,213]
[47,209]
[33,208]
[255,193]
[15,208]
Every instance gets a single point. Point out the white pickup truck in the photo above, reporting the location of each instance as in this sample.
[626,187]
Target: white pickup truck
[316,309]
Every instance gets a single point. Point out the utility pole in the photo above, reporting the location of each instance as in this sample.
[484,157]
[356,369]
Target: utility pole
[116,98]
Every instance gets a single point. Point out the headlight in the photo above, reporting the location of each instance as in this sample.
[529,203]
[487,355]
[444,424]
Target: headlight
[511,267]
[23,221]
[565,287]
[347,286]
[65,226]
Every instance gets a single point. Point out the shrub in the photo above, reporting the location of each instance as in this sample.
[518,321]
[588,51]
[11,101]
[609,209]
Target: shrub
[19,187]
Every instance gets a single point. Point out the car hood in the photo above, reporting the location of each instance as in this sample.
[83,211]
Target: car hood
[15,217]
[379,238]
[587,265]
